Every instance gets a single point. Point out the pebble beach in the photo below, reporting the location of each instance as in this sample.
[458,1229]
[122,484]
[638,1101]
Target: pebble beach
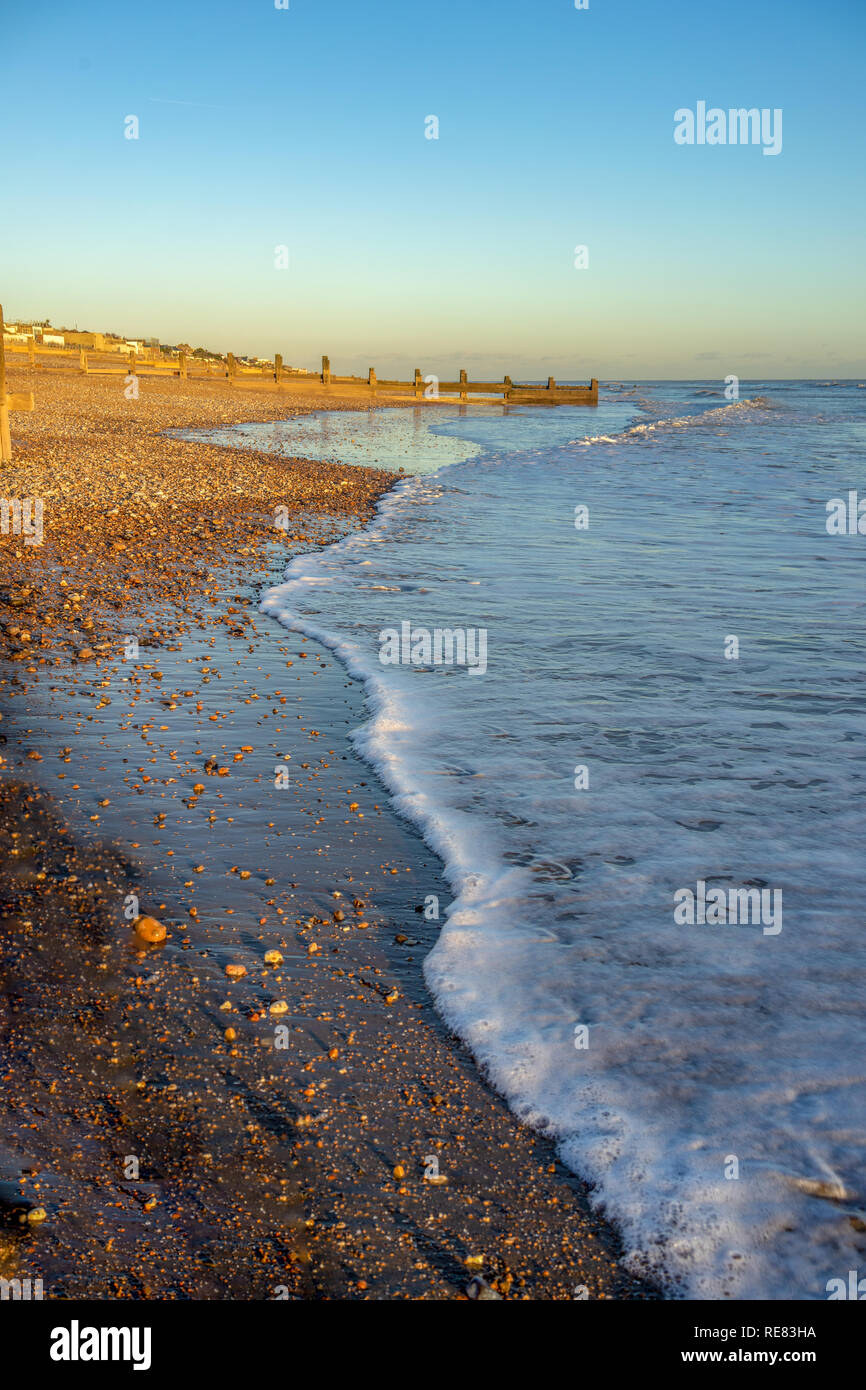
[223,1074]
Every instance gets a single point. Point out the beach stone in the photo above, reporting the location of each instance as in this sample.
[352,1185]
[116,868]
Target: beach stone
[479,1290]
[14,1205]
[150,930]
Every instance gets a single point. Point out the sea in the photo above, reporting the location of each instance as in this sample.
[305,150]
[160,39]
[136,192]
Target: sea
[638,749]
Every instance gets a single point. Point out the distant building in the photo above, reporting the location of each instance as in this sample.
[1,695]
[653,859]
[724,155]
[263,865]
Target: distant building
[35,333]
[94,341]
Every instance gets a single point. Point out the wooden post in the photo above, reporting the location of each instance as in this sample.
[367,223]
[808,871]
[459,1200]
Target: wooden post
[82,361]
[181,365]
[5,436]
[417,383]
[132,361]
[593,386]
[278,367]
[19,400]
[230,368]
[508,387]
[551,384]
[31,351]
[326,371]
[371,378]
[462,384]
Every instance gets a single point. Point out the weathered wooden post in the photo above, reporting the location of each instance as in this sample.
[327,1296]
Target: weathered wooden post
[230,368]
[181,365]
[417,383]
[551,384]
[132,361]
[326,371]
[31,351]
[278,367]
[18,400]
[462,383]
[82,361]
[593,387]
[5,434]
[371,379]
[508,387]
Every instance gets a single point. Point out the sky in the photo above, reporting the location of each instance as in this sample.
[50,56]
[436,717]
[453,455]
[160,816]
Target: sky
[305,128]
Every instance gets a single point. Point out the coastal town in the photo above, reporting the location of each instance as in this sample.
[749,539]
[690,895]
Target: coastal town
[42,334]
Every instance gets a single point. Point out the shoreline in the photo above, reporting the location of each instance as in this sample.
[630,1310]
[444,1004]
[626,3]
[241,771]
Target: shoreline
[343,1141]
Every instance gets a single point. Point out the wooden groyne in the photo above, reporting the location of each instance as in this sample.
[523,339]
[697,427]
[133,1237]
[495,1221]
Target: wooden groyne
[108,362]
[9,400]
[519,393]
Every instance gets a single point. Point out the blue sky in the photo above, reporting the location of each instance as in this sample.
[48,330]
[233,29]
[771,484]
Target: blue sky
[305,127]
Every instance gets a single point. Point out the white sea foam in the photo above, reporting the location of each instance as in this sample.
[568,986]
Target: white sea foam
[718,414]
[606,649]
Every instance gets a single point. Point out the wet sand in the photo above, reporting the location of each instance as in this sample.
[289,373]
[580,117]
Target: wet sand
[192,1135]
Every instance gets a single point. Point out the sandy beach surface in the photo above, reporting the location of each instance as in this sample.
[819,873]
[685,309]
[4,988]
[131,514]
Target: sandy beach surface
[191,1119]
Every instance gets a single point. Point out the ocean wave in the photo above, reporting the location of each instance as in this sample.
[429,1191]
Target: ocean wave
[706,1046]
[722,414]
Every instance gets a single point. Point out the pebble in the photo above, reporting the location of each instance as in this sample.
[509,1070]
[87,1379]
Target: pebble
[149,930]
[480,1290]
